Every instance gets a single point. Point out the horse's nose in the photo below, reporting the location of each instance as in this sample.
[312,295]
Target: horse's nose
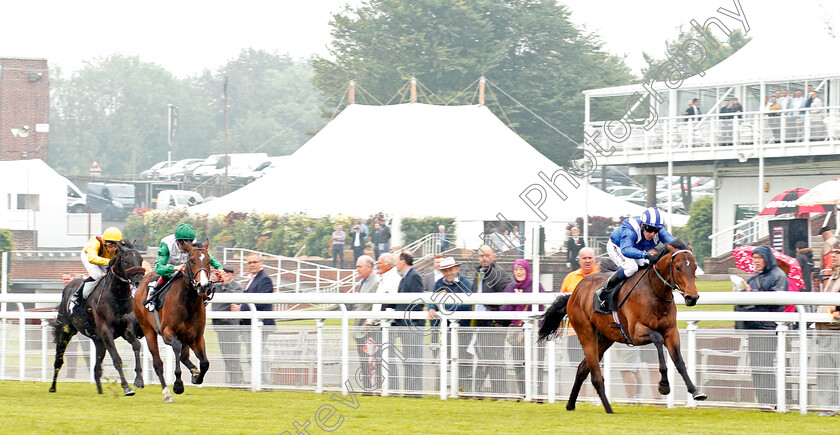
[691,300]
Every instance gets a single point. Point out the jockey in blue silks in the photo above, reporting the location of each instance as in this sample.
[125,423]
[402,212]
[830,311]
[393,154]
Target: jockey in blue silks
[629,247]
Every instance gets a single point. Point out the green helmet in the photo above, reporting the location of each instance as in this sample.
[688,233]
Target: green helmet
[184,232]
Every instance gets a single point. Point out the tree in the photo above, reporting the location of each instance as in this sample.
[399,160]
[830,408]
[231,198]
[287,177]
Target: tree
[699,227]
[714,55]
[529,48]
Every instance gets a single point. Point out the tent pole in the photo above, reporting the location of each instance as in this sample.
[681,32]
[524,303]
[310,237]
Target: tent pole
[352,92]
[481,91]
[413,90]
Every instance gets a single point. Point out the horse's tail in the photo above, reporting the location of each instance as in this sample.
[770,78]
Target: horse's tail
[552,317]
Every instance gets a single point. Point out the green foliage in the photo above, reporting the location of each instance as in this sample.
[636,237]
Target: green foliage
[6,244]
[699,228]
[529,48]
[416,228]
[115,110]
[135,230]
[714,55]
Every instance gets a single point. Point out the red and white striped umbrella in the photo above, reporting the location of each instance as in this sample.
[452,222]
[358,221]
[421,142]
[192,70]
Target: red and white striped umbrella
[785,202]
[743,261]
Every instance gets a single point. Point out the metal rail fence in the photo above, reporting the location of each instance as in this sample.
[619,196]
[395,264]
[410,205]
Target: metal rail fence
[325,351]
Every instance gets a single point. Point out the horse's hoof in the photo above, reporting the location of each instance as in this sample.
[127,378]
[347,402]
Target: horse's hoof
[52,389]
[99,389]
[167,396]
[138,383]
[196,379]
[128,391]
[570,407]
[610,411]
[178,387]
[699,396]
[664,390]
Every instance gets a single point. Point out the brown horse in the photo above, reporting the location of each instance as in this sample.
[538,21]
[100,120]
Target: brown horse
[646,310]
[109,309]
[181,320]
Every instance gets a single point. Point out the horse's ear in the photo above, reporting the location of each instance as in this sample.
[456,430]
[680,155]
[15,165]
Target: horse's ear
[134,243]
[206,242]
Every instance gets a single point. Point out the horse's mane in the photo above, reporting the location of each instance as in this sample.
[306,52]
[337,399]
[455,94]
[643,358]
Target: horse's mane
[677,244]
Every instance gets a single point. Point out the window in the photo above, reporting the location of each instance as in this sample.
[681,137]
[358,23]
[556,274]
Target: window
[28,201]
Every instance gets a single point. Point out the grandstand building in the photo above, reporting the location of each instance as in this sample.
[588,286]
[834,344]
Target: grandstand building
[776,143]
[24,109]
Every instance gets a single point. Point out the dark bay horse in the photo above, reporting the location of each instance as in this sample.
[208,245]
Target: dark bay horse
[181,320]
[647,312]
[110,307]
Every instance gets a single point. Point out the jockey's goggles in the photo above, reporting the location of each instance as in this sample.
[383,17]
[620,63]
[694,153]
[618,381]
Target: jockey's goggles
[110,243]
[650,229]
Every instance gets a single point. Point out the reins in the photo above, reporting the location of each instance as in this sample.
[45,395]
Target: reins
[672,285]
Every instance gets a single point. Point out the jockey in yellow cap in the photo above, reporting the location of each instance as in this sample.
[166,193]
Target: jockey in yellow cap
[96,256]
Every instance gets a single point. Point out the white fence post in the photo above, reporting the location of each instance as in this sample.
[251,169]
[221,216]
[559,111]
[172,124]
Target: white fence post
[550,349]
[781,369]
[345,350]
[803,361]
[442,335]
[691,334]
[319,363]
[22,346]
[529,391]
[44,341]
[256,350]
[455,358]
[607,371]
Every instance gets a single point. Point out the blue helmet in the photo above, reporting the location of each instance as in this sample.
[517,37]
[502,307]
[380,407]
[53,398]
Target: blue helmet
[652,217]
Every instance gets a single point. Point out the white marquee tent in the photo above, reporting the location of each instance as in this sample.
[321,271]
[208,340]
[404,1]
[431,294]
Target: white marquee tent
[418,160]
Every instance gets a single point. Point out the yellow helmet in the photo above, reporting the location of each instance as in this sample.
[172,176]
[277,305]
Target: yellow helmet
[112,234]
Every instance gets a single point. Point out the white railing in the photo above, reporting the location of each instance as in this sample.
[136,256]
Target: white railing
[426,246]
[295,275]
[318,357]
[753,229]
[773,134]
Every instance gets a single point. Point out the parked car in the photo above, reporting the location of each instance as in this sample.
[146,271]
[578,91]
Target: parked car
[76,200]
[175,199]
[153,171]
[113,200]
[177,169]
[623,191]
[215,164]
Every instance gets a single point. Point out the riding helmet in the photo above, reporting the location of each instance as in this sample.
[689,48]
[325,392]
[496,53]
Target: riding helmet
[652,217]
[112,234]
[184,232]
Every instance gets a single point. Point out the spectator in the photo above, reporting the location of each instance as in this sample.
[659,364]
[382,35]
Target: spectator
[368,338]
[389,279]
[384,237]
[443,244]
[434,276]
[828,345]
[690,111]
[65,279]
[588,265]
[522,284]
[815,116]
[518,241]
[727,108]
[726,123]
[358,237]
[375,239]
[364,228]
[768,277]
[455,283]
[258,282]
[573,246]
[740,239]
[490,279]
[411,338]
[737,107]
[338,237]
[695,106]
[795,103]
[828,243]
[230,338]
[805,257]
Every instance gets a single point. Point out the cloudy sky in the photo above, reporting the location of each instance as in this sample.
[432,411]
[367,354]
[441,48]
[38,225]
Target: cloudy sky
[188,36]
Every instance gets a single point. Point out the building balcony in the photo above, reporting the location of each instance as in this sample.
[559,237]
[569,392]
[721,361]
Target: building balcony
[717,137]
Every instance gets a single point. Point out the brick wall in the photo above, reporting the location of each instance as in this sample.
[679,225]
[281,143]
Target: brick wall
[24,240]
[24,101]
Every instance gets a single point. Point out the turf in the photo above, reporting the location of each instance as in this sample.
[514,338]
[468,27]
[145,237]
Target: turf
[75,408]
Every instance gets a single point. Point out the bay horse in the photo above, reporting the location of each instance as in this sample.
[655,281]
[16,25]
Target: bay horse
[181,320]
[109,306]
[646,310]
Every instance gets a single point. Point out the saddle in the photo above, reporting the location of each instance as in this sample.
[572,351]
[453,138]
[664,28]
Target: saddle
[160,295]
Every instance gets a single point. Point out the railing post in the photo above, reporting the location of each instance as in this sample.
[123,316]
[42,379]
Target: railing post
[803,361]
[691,333]
[385,353]
[319,355]
[550,349]
[455,358]
[606,373]
[781,369]
[672,375]
[529,391]
[442,334]
[44,341]
[345,350]
[22,346]
[256,349]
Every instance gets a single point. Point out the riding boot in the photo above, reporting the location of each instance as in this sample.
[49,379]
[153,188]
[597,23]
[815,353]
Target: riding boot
[604,294]
[153,287]
[76,300]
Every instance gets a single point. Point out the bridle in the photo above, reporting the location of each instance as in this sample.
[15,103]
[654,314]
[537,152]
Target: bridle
[192,275]
[671,284]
